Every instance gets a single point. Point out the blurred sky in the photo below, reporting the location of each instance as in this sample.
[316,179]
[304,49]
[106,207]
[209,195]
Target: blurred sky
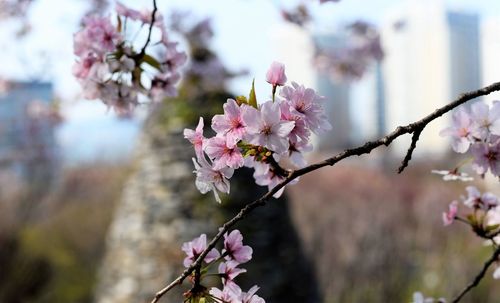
[242,39]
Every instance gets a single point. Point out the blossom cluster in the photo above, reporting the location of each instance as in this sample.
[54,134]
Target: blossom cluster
[111,68]
[484,217]
[477,130]
[230,258]
[263,137]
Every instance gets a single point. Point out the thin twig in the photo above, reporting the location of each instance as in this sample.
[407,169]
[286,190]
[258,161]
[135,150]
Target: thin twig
[478,277]
[150,31]
[366,148]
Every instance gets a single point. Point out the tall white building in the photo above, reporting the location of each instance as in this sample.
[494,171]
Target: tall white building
[432,55]
[490,50]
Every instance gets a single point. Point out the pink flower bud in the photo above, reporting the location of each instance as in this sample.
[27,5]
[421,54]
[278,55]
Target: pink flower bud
[449,217]
[276,74]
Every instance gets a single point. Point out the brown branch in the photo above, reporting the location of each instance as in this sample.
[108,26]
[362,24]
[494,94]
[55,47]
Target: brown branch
[366,148]
[413,145]
[153,20]
[479,276]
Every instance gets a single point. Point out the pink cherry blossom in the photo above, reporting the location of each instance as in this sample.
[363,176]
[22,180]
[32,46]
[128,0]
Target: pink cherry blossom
[296,153]
[222,154]
[229,271]
[82,69]
[449,217]
[452,175]
[477,200]
[485,120]
[299,132]
[124,11]
[276,74]
[230,293]
[98,36]
[231,124]
[461,131]
[486,157]
[196,138]
[210,179]
[194,248]
[306,103]
[234,248]
[265,127]
[250,296]
[163,86]
[172,58]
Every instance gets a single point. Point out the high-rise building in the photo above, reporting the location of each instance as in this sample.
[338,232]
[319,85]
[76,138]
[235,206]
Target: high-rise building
[432,55]
[27,140]
[336,95]
[490,48]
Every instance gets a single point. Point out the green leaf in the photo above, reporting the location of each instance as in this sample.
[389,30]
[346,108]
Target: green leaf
[152,61]
[252,99]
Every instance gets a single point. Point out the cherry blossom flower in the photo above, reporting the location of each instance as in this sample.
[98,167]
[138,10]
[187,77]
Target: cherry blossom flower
[449,217]
[222,154]
[276,74]
[485,120]
[265,176]
[210,179]
[250,296]
[231,124]
[461,131]
[299,132]
[265,128]
[229,271]
[196,138]
[306,104]
[194,248]
[124,11]
[486,157]
[98,36]
[477,200]
[453,175]
[230,293]
[163,86]
[234,248]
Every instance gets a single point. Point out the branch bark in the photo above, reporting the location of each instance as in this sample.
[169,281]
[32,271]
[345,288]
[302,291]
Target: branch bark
[478,277]
[413,128]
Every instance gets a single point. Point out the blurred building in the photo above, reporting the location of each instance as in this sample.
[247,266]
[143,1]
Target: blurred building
[337,94]
[490,48]
[27,123]
[432,55]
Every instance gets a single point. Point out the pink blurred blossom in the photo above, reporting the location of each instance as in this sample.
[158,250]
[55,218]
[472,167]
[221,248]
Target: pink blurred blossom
[194,248]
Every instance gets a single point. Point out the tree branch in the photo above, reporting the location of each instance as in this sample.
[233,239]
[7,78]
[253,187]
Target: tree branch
[153,20]
[479,276]
[413,128]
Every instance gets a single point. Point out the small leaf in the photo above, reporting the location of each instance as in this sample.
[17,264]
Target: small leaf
[152,61]
[252,99]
